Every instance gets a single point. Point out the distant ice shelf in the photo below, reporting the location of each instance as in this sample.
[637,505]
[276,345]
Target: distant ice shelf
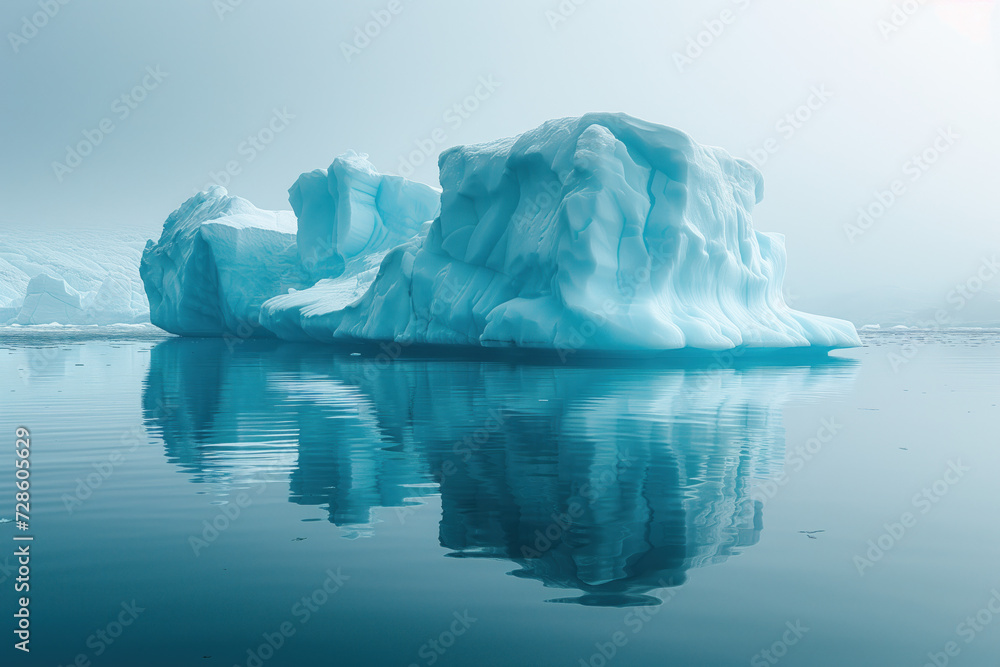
[70,278]
[600,233]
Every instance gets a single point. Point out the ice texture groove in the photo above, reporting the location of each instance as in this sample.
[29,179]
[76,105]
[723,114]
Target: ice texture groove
[351,210]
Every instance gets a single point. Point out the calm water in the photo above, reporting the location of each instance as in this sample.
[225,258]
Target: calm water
[224,500]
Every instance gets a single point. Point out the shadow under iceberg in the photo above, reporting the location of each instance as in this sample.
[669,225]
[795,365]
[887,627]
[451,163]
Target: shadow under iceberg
[609,480]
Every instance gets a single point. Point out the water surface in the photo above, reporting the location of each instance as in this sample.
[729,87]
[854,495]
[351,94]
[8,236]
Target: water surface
[357,510]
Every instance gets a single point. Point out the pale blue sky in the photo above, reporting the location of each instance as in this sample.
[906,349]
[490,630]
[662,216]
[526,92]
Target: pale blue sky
[227,73]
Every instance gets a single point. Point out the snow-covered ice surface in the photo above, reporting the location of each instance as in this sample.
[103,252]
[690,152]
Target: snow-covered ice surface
[309,314]
[78,277]
[601,233]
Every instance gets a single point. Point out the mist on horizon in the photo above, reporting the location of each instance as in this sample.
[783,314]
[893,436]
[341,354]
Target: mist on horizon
[874,127]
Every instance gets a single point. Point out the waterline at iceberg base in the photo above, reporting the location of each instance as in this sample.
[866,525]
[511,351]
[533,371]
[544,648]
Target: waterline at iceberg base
[601,234]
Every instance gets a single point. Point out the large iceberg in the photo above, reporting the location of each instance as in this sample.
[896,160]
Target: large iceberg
[600,233]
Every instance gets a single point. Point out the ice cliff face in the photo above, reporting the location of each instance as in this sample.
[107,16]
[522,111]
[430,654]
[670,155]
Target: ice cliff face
[79,277]
[351,211]
[596,233]
[219,258]
[350,218]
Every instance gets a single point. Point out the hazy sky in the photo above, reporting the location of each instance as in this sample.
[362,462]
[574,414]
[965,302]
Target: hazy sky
[884,88]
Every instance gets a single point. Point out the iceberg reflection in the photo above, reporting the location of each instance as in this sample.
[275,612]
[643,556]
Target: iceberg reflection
[611,481]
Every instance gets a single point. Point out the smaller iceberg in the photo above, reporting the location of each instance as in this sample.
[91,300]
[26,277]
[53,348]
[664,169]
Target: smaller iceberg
[50,300]
[71,278]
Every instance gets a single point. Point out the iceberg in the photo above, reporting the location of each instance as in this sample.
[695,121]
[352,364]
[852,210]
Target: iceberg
[350,219]
[50,300]
[218,260]
[71,278]
[352,211]
[602,233]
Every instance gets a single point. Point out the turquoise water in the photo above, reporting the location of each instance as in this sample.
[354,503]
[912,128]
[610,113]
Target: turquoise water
[256,503]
